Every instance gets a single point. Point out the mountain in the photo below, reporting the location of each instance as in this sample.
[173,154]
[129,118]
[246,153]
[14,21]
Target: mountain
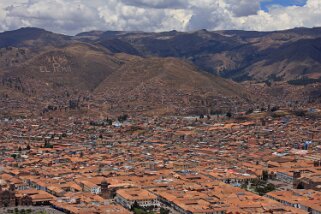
[33,38]
[51,72]
[295,60]
[79,66]
[167,85]
[240,55]
[157,73]
[20,45]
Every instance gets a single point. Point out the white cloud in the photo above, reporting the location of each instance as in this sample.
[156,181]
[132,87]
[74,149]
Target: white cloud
[279,18]
[243,7]
[73,16]
[119,16]
[160,4]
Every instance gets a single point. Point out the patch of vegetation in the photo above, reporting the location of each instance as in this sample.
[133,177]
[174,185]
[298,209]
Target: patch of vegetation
[48,145]
[235,75]
[25,211]
[242,78]
[229,114]
[262,187]
[216,112]
[274,78]
[137,209]
[103,123]
[123,118]
[249,111]
[299,113]
[304,81]
[164,211]
[262,190]
[275,108]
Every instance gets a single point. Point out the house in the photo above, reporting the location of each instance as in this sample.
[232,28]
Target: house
[127,197]
[88,186]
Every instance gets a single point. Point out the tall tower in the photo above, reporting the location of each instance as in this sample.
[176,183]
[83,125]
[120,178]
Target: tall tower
[105,192]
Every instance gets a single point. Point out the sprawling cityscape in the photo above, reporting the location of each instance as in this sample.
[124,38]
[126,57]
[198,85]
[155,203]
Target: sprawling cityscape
[215,164]
[160,107]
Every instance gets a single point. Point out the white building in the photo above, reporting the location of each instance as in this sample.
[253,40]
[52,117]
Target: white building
[90,187]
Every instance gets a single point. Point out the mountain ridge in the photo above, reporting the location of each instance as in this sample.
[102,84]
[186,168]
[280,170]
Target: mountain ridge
[168,72]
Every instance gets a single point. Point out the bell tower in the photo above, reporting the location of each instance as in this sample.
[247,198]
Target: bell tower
[105,193]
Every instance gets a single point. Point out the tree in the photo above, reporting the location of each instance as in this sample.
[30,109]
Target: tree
[249,111]
[244,185]
[299,113]
[109,122]
[274,108]
[123,118]
[73,104]
[135,205]
[48,145]
[270,187]
[137,209]
[265,175]
[164,211]
[262,189]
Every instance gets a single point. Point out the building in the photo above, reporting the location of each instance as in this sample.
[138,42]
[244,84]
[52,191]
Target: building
[127,197]
[307,200]
[308,181]
[90,187]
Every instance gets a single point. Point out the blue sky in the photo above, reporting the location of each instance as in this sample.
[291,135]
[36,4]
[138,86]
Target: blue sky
[267,3]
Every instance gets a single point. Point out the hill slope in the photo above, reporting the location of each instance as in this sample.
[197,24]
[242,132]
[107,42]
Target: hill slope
[54,71]
[167,84]
[239,55]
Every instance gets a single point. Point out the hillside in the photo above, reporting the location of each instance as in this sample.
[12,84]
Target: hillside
[167,84]
[155,73]
[240,55]
[93,77]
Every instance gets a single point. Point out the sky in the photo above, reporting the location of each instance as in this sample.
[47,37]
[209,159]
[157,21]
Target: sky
[75,16]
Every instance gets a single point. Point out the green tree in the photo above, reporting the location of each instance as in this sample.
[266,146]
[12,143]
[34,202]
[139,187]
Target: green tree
[48,145]
[299,113]
[274,108]
[249,111]
[265,175]
[123,118]
[135,205]
[164,211]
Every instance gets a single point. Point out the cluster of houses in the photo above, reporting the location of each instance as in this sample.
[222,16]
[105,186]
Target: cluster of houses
[179,164]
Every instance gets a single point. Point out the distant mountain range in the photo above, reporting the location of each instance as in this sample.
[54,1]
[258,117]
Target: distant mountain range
[240,55]
[166,72]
